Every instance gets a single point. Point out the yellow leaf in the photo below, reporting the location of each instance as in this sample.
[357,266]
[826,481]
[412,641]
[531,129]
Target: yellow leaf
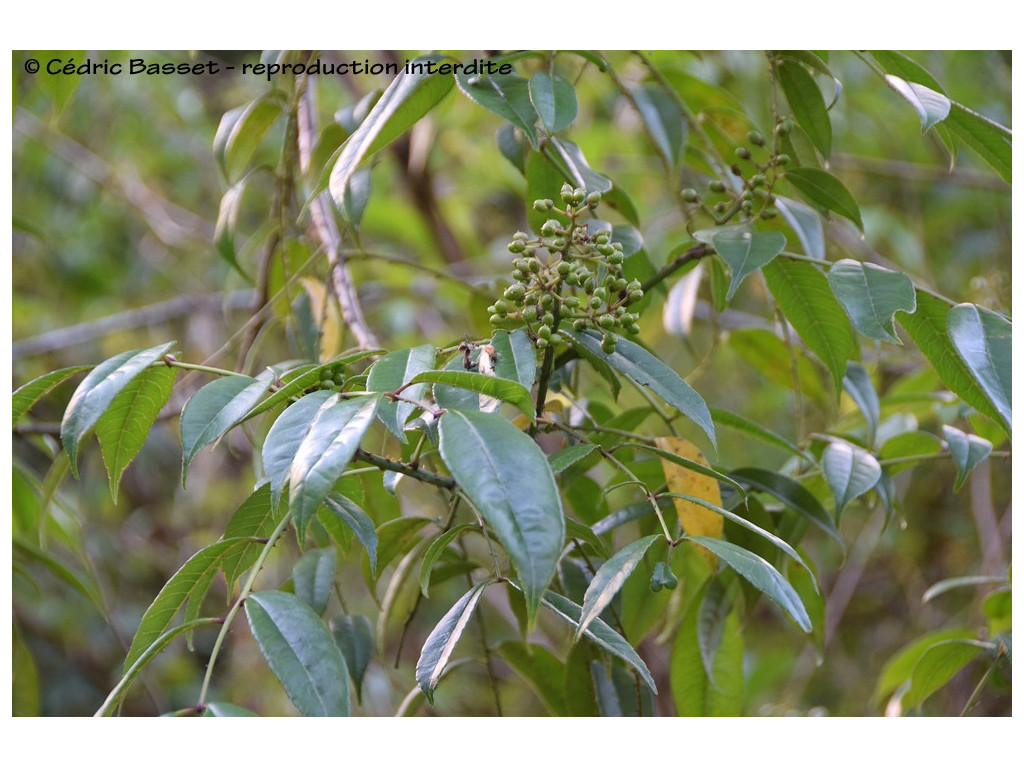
[327,317]
[696,520]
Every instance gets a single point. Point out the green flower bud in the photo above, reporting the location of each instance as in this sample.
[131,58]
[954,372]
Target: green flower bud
[547,300]
[636,295]
[542,343]
[579,195]
[589,284]
[593,199]
[620,284]
[492,309]
[616,257]
[517,274]
[516,246]
[500,307]
[558,243]
[595,303]
[717,186]
[515,293]
[566,193]
[608,343]
[533,265]
[548,319]
[549,228]
[601,293]
[633,328]
[755,138]
[605,250]
[690,195]
[606,321]
[563,268]
[782,160]
[543,205]
[579,324]
[530,314]
[769,213]
[544,332]
[758,180]
[571,301]
[495,319]
[742,153]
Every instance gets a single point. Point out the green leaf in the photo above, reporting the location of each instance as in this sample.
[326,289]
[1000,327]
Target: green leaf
[554,98]
[983,340]
[491,386]
[693,466]
[285,436]
[599,632]
[541,669]
[907,444]
[609,579]
[516,356]
[928,328]
[806,223]
[301,653]
[125,426]
[761,574]
[871,295]
[850,471]
[255,518]
[355,518]
[900,667]
[857,382]
[188,584]
[22,550]
[792,494]
[226,709]
[765,435]
[391,372]
[932,107]
[645,369]
[333,437]
[565,458]
[988,138]
[941,587]
[27,395]
[544,179]
[354,637]
[490,458]
[313,577]
[663,121]
[695,691]
[241,130]
[440,643]
[396,537]
[575,167]
[825,191]
[807,103]
[507,96]
[745,252]
[408,98]
[98,390]
[227,223]
[937,667]
[967,452]
[436,549]
[215,409]
[803,294]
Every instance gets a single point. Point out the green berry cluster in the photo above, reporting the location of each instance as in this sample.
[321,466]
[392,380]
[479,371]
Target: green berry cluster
[758,169]
[331,377]
[568,275]
[663,577]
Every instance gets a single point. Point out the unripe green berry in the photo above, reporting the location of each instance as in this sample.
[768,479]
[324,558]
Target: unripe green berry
[548,319]
[517,274]
[602,238]
[717,186]
[516,246]
[785,127]
[563,268]
[593,198]
[769,213]
[549,228]
[636,295]
[543,205]
[620,284]
[616,258]
[782,160]
[720,207]
[533,265]
[566,193]
[547,300]
[558,243]
[755,138]
[571,301]
[530,314]
[633,328]
[690,195]
[742,153]
[608,343]
[579,324]
[606,321]
[495,319]
[758,180]
[634,285]
[747,206]
[500,307]
[595,303]
[544,332]
[605,250]
[579,195]
[492,309]
[589,284]
[515,292]
[542,343]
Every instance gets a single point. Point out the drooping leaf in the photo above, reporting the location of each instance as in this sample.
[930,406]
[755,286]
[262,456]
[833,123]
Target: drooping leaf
[849,470]
[695,690]
[227,223]
[791,493]
[928,328]
[27,395]
[241,130]
[516,356]
[313,577]
[988,138]
[333,437]
[931,106]
[391,372]
[645,369]
[255,518]
[605,637]
[967,451]
[395,538]
[541,669]
[857,383]
[681,302]
[760,573]
[410,96]
[301,653]
[937,667]
[440,643]
[575,167]
[188,584]
[354,636]
[285,437]
[125,426]
[216,408]
[765,435]
[609,579]
[807,103]
[696,519]
[98,390]
[489,458]
[941,587]
[907,444]
[507,96]
[745,252]
[871,295]
[803,294]
[822,189]
[569,455]
[983,340]
[663,121]
[554,98]
[492,386]
[355,518]
[436,549]
[806,222]
[900,667]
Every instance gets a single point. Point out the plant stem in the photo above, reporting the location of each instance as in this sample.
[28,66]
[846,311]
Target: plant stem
[246,589]
[169,360]
[405,469]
